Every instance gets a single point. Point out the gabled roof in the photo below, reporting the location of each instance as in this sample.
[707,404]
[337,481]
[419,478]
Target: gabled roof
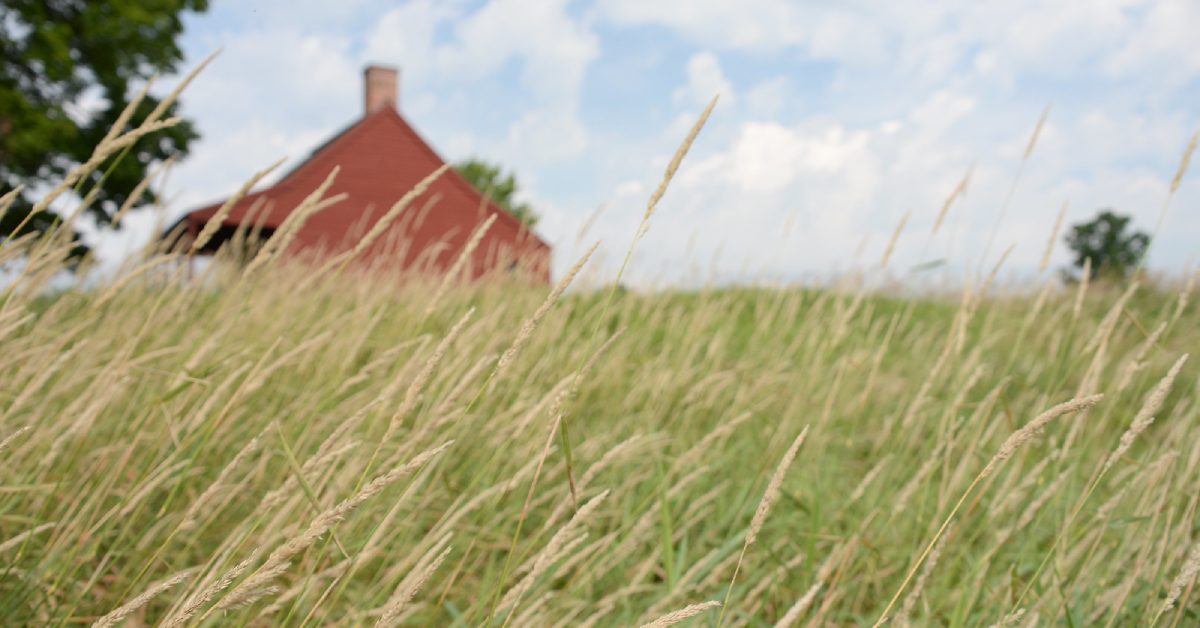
[382,143]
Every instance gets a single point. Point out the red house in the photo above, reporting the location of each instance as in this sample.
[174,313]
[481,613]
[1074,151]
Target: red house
[381,158]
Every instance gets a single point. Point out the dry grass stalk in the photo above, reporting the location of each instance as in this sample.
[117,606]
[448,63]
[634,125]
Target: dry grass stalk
[123,611]
[646,522]
[1012,188]
[140,190]
[8,198]
[668,174]
[1151,473]
[202,502]
[695,454]
[246,597]
[774,486]
[1011,619]
[586,226]
[910,602]
[775,577]
[295,221]
[991,277]
[322,459]
[1085,277]
[102,153]
[149,486]
[1038,304]
[959,191]
[687,612]
[1036,505]
[410,585]
[1037,131]
[171,97]
[1187,573]
[413,393]
[218,217]
[132,275]
[126,114]
[1138,361]
[456,515]
[686,582]
[1184,162]
[199,600]
[865,482]
[531,324]
[8,440]
[577,558]
[279,560]
[1007,449]
[114,140]
[1145,416]
[672,167]
[608,603]
[20,538]
[1182,301]
[1035,427]
[586,479]
[385,221]
[900,503]
[555,549]
[801,605]
[335,572]
[459,264]
[887,253]
[1062,213]
[1109,323]
[534,614]
[1005,534]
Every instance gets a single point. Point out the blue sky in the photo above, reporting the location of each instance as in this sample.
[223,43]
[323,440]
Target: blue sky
[834,120]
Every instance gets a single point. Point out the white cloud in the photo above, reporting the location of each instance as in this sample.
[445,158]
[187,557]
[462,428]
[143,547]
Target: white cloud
[404,35]
[543,137]
[1164,40]
[753,24]
[704,80]
[316,81]
[770,98]
[216,167]
[929,39]
[553,51]
[779,200]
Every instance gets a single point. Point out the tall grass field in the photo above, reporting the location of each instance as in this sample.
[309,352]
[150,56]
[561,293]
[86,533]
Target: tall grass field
[269,444]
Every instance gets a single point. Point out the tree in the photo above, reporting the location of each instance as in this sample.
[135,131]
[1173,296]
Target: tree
[501,188]
[67,70]
[1108,241]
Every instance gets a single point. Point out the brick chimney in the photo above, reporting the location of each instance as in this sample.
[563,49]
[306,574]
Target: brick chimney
[380,88]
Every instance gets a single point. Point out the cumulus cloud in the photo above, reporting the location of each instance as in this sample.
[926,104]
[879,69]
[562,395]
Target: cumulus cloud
[770,98]
[552,50]
[704,80]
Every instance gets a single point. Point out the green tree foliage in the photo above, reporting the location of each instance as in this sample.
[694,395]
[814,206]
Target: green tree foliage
[1110,242]
[67,70]
[490,180]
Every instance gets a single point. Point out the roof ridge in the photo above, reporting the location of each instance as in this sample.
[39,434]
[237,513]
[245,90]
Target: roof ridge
[331,148]
[461,181]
